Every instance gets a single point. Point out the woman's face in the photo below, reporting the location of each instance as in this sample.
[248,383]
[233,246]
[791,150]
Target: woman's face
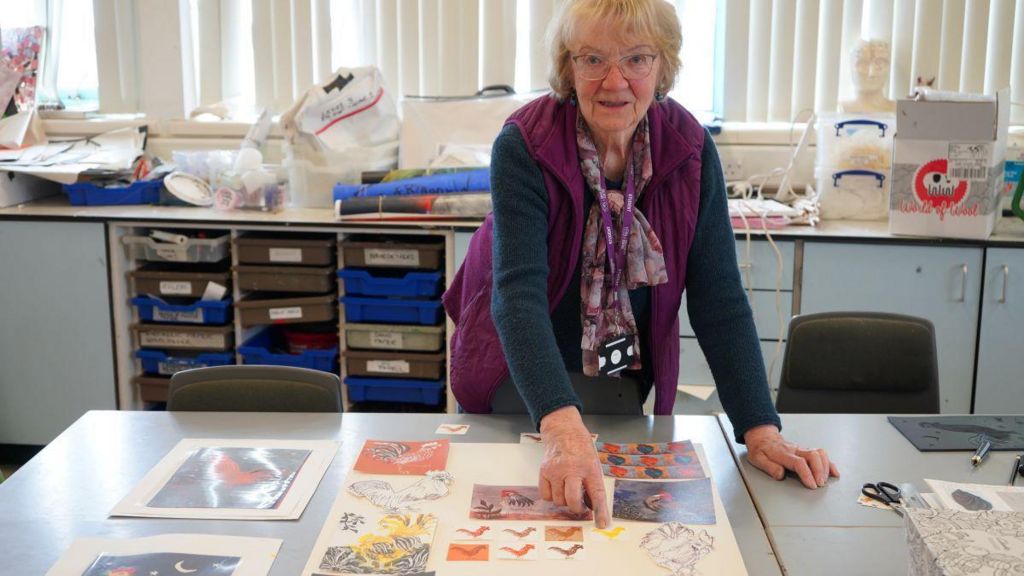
[613,104]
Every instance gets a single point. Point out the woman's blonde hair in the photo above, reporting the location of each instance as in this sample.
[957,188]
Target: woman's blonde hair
[650,19]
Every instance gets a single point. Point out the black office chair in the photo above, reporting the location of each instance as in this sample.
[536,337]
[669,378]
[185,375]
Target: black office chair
[252,388]
[859,362]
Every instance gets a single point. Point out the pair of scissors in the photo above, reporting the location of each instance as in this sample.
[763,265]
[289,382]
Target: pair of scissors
[886,493]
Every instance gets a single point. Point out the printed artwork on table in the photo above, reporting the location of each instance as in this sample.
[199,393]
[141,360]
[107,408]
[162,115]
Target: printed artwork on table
[522,533]
[677,548]
[383,494]
[684,447]
[386,457]
[516,551]
[473,532]
[163,563]
[563,534]
[956,542]
[564,552]
[609,533]
[390,544]
[453,429]
[468,552]
[243,478]
[533,438]
[970,501]
[686,501]
[518,503]
[654,472]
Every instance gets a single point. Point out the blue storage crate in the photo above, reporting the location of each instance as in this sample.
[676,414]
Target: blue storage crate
[257,350]
[411,285]
[395,390]
[425,312]
[158,362]
[199,312]
[138,192]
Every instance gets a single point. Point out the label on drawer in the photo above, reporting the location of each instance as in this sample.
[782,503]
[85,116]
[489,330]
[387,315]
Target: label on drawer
[391,340]
[172,366]
[286,254]
[391,257]
[171,253]
[169,287]
[388,366]
[290,313]
[177,339]
[187,317]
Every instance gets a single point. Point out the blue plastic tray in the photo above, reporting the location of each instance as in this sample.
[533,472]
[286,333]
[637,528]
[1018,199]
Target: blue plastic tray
[256,350]
[424,312]
[158,362]
[89,194]
[395,390]
[412,285]
[200,312]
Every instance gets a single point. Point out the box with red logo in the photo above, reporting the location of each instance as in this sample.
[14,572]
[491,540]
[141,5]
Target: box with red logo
[947,167]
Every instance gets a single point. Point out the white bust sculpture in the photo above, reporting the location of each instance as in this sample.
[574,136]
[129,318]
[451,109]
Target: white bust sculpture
[869,61]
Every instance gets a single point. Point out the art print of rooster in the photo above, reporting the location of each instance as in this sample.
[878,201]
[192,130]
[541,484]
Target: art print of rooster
[520,534]
[511,500]
[399,453]
[382,495]
[518,552]
[566,553]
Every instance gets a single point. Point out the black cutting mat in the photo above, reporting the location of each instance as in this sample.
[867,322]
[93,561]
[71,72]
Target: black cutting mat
[933,433]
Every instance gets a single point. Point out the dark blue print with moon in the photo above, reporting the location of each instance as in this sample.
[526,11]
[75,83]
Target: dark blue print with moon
[163,564]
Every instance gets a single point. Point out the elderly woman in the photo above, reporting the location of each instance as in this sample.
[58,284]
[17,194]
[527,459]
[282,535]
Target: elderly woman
[609,200]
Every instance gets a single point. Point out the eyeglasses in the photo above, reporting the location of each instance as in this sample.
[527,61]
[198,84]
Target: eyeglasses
[596,67]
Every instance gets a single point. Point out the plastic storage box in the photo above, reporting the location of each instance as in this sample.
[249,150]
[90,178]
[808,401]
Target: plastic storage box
[160,363]
[423,252]
[285,278]
[394,390]
[272,309]
[853,167]
[154,279]
[194,250]
[394,364]
[152,388]
[198,312]
[184,336]
[425,312]
[303,251]
[265,346]
[385,283]
[394,337]
[89,194]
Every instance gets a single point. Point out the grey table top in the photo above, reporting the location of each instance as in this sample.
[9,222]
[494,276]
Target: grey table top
[67,490]
[825,531]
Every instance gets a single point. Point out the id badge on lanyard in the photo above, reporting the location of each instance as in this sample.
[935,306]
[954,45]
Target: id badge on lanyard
[616,352]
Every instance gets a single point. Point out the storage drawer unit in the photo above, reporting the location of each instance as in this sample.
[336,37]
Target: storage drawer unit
[425,312]
[193,250]
[302,279]
[152,388]
[266,310]
[185,337]
[158,362]
[301,251]
[197,312]
[394,390]
[158,280]
[391,283]
[394,337]
[411,252]
[266,347]
[394,364]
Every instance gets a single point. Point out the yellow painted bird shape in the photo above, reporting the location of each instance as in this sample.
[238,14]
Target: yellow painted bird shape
[611,534]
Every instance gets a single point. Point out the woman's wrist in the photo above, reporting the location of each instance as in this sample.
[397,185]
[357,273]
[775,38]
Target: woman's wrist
[560,418]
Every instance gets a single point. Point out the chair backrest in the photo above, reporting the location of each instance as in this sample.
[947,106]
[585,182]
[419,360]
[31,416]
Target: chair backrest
[252,388]
[859,362]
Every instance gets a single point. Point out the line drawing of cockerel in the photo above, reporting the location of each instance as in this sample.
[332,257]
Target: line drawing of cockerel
[384,496]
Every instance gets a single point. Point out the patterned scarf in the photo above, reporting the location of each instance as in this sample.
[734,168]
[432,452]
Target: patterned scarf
[645,261]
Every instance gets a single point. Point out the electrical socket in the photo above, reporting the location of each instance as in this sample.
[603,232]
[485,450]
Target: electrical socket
[733,169]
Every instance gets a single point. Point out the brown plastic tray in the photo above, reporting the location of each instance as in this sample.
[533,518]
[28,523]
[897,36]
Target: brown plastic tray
[184,283]
[286,251]
[286,278]
[185,336]
[394,364]
[152,388]
[273,309]
[412,252]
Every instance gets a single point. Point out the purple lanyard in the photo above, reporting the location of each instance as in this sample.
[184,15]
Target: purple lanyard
[617,252]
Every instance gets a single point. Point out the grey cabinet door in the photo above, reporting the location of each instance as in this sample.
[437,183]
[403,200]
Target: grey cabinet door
[1000,385]
[940,283]
[56,356]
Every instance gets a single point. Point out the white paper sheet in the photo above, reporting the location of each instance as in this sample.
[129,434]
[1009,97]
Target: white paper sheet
[64,161]
[256,554]
[137,502]
[517,464]
[978,497]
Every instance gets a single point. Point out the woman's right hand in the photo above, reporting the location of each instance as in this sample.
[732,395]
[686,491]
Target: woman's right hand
[571,466]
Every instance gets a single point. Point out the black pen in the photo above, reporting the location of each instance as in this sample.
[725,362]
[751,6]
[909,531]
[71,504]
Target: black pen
[981,452]
[1015,470]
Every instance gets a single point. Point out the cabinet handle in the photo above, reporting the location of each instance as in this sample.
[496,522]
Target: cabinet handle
[1006,280]
[963,284]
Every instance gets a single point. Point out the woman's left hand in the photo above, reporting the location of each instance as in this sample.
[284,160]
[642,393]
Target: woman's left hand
[769,451]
